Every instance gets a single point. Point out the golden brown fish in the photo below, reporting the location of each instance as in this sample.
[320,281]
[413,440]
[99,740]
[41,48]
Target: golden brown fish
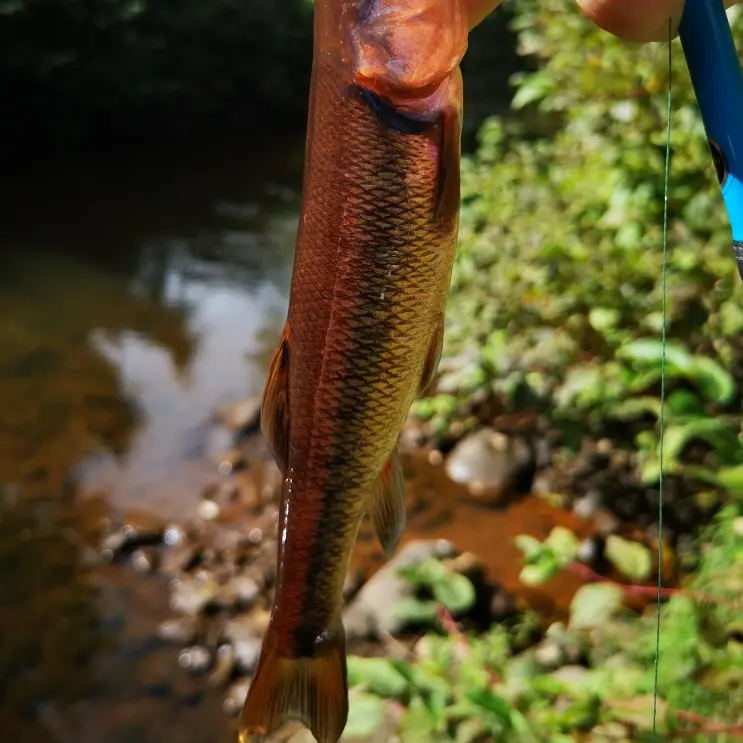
[363,335]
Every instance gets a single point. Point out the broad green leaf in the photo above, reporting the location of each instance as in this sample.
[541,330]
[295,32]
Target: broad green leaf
[365,716]
[497,705]
[731,478]
[678,436]
[684,402]
[377,675]
[630,558]
[593,605]
[418,725]
[603,318]
[715,382]
[649,352]
[411,610]
[529,546]
[455,592]
[541,572]
[636,407]
[563,543]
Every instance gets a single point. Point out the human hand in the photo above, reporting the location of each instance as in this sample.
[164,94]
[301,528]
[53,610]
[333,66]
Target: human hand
[633,20]
[638,20]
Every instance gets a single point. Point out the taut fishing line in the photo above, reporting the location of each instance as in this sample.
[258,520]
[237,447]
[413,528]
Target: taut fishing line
[664,300]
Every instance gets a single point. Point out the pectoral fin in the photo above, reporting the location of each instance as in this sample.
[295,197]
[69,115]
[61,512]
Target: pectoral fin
[388,508]
[434,356]
[275,407]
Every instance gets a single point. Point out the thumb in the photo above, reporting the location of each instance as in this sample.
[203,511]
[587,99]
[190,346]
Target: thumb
[635,20]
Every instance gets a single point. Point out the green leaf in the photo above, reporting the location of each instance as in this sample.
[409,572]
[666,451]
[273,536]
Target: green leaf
[365,716]
[541,572]
[636,407]
[603,318]
[594,605]
[684,402]
[649,352]
[563,543]
[417,724]
[731,478]
[411,610]
[456,593]
[529,546]
[713,380]
[678,436]
[630,558]
[377,675]
[492,702]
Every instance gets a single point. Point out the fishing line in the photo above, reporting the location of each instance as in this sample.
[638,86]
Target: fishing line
[663,333]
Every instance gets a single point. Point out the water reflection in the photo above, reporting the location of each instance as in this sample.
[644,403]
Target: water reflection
[132,302]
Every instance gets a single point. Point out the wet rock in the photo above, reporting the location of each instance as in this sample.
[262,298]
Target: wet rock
[242,416]
[586,506]
[373,612]
[137,529]
[143,561]
[235,697]
[180,558]
[208,509]
[605,522]
[240,591]
[180,630]
[195,659]
[489,463]
[232,461]
[245,634]
[191,595]
[224,665]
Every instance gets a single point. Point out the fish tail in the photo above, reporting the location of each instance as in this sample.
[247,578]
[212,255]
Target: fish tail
[312,689]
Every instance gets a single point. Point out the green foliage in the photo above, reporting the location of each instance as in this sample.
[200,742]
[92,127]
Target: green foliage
[115,64]
[437,587]
[556,295]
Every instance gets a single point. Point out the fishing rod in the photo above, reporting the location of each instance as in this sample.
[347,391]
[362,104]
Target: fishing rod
[717,79]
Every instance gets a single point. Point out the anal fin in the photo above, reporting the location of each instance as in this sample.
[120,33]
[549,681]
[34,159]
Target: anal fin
[275,405]
[311,689]
[388,506]
[433,357]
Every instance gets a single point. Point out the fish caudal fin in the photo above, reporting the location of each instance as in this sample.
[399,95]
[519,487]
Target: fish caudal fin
[312,690]
[388,507]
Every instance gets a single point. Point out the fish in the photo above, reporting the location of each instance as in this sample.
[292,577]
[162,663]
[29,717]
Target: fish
[363,335]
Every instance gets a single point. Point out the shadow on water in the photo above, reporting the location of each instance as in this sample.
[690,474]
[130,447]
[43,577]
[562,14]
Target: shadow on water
[136,294]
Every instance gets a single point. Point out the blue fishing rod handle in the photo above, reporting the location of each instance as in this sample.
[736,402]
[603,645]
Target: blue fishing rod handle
[718,85]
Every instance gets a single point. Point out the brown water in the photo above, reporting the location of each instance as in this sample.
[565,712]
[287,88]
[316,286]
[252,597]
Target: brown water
[137,295]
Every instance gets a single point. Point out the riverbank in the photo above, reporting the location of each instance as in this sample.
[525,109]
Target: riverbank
[576,637]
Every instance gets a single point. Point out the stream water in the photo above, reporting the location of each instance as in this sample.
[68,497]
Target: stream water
[137,294]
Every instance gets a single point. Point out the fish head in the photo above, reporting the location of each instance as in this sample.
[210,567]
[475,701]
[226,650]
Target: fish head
[401,49]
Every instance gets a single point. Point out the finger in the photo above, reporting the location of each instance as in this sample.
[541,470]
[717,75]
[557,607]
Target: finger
[477,10]
[635,20]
